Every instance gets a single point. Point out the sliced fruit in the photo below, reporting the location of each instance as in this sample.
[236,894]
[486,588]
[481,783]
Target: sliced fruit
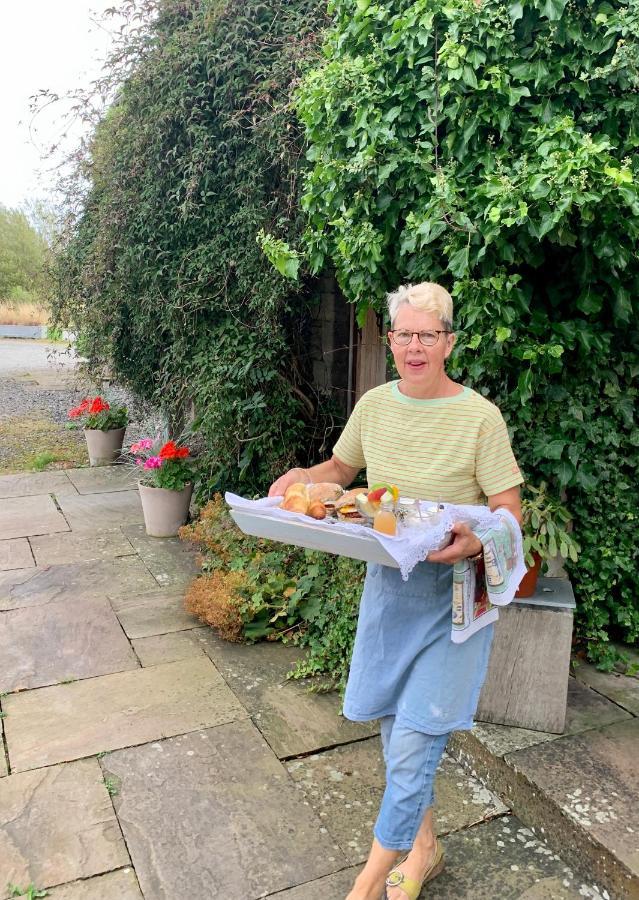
[376,495]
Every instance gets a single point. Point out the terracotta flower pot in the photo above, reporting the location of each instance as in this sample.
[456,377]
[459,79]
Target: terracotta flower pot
[528,583]
[164,511]
[104,447]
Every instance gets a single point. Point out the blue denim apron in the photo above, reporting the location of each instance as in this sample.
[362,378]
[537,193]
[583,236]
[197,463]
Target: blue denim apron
[404,662]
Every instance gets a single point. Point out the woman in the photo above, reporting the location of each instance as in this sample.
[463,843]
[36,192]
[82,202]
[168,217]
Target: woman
[436,440]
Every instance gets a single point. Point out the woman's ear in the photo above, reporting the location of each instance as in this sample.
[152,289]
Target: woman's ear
[451,338]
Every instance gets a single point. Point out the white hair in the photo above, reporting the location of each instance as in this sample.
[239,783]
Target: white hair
[427,296]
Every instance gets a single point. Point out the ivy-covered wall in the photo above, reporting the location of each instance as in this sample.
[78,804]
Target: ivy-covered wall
[493,147]
[161,271]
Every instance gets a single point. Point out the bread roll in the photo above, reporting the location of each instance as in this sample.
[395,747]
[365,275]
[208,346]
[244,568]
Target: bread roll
[325,490]
[317,510]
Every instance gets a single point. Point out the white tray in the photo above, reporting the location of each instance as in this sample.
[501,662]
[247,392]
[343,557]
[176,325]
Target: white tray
[313,536]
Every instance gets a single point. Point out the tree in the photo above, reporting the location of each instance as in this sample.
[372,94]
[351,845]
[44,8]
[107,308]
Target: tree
[22,256]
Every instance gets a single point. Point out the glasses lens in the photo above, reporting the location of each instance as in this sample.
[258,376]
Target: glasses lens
[428,338]
[402,337]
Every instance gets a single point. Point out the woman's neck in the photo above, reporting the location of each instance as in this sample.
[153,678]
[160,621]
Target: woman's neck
[443,387]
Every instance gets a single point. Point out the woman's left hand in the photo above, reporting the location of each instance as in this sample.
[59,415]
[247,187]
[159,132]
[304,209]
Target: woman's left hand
[464,544]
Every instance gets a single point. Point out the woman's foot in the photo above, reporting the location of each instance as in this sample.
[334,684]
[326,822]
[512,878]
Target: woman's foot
[414,867]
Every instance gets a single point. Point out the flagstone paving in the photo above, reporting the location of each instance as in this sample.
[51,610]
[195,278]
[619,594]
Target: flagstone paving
[96,578]
[103,511]
[102,479]
[59,826]
[120,885]
[158,612]
[24,516]
[293,720]
[15,554]
[70,721]
[57,549]
[41,483]
[77,638]
[163,648]
[178,765]
[222,801]
[170,560]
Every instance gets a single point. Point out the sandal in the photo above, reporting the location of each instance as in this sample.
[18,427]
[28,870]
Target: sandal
[410,886]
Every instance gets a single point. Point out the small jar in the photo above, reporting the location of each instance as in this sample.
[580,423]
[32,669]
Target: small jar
[408,512]
[385,520]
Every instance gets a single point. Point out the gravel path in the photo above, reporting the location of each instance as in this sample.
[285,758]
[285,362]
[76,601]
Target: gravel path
[41,381]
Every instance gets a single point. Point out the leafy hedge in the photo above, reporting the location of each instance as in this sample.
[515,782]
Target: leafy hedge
[492,147]
[161,271]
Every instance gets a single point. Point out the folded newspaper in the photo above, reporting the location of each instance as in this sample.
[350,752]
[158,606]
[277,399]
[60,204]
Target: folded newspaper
[477,590]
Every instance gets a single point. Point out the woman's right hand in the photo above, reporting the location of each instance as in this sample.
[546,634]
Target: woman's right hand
[291,477]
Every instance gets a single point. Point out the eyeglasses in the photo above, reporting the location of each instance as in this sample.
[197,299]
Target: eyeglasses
[427,338]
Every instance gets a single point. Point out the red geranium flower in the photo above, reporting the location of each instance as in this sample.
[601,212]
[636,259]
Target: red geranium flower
[80,410]
[171,451]
[97,406]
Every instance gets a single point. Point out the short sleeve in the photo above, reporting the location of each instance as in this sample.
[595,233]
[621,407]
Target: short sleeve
[349,448]
[496,466]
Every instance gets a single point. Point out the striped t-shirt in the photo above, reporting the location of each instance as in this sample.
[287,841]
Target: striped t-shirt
[454,449]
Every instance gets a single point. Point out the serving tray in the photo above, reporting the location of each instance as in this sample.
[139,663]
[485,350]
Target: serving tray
[327,537]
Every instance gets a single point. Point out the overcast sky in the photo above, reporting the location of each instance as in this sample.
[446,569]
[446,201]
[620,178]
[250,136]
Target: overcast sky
[55,44]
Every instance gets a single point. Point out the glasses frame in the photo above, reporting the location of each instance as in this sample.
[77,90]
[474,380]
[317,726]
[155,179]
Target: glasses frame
[436,331]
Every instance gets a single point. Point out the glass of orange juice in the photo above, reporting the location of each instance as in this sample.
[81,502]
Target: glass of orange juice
[385,520]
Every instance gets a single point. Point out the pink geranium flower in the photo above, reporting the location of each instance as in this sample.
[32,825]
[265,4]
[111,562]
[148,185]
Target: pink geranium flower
[153,462]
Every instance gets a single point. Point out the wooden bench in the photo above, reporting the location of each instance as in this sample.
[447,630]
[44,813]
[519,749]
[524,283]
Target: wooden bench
[527,680]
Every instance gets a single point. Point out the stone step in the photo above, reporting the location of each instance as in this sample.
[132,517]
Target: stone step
[579,791]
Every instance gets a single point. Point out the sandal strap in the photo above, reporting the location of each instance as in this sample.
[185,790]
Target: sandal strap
[410,886]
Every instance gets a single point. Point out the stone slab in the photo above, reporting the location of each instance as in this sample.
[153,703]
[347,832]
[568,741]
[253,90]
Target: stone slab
[331,887]
[170,560]
[619,688]
[220,800]
[22,485]
[120,885]
[155,612]
[15,554]
[57,825]
[53,584]
[70,721]
[44,645]
[502,859]
[164,648]
[344,786]
[589,803]
[586,709]
[58,549]
[102,479]
[26,516]
[293,720]
[102,512]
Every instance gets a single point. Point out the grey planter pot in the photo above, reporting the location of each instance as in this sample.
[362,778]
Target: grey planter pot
[164,511]
[105,447]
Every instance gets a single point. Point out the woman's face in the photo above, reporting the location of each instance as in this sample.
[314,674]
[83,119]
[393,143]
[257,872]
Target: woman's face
[419,365]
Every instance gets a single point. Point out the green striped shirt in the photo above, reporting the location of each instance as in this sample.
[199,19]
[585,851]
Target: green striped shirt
[454,449]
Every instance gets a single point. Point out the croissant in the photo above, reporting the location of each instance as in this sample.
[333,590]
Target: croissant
[296,503]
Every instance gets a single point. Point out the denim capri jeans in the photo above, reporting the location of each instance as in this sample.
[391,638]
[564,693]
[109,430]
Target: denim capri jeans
[407,672]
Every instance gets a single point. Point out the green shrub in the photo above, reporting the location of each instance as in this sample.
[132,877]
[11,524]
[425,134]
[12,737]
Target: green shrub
[492,147]
[253,589]
[160,272]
